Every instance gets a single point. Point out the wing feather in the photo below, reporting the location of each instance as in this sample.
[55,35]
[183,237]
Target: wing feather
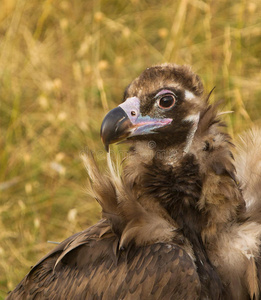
[90,271]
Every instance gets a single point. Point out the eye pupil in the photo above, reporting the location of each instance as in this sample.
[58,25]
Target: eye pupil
[167,101]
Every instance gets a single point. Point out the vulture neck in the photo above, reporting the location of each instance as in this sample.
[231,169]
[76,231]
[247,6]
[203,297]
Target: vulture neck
[197,189]
[173,177]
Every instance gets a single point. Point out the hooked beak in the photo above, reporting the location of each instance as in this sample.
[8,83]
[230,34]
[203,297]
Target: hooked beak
[126,121]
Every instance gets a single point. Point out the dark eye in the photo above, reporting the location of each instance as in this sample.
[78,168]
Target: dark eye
[166,101]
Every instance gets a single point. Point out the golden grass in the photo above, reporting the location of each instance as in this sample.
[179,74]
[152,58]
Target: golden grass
[63,64]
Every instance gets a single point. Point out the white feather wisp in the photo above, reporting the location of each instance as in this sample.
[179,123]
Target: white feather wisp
[248,165]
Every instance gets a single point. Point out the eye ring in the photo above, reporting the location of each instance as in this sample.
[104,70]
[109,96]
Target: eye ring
[166,101]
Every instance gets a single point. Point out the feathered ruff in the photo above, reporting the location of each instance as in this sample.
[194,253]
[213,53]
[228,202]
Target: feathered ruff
[133,223]
[213,148]
[231,195]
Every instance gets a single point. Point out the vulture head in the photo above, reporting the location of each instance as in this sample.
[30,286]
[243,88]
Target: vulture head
[162,105]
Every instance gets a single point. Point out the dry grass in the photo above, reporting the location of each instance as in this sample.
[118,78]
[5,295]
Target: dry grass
[63,64]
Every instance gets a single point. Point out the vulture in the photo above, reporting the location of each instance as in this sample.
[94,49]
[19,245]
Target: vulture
[181,214]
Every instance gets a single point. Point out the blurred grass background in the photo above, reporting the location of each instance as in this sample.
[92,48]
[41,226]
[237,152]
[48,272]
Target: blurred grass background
[64,63]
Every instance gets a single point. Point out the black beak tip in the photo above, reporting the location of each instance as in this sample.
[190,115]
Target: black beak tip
[105,133]
[105,143]
[114,127]
[106,146]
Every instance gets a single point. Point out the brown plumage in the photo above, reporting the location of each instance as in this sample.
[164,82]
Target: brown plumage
[182,218]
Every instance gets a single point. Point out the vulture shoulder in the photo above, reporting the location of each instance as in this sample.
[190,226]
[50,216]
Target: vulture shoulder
[89,265]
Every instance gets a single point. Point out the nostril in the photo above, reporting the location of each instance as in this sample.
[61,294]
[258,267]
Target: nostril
[133,113]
